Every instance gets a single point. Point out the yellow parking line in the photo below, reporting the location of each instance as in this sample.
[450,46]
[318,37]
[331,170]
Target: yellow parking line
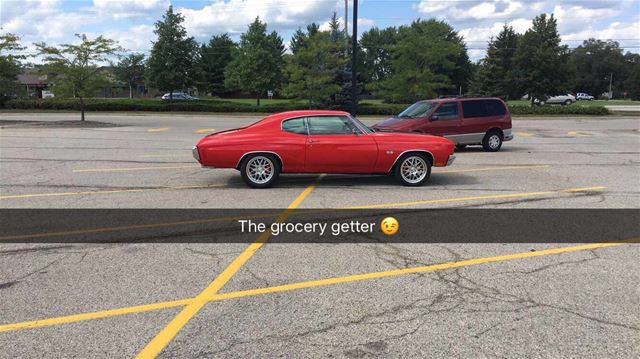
[524,134]
[83,193]
[205,130]
[123,169]
[306,284]
[160,341]
[578,134]
[475,198]
[524,167]
[160,129]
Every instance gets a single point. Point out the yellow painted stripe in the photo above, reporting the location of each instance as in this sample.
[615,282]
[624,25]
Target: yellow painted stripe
[205,130]
[123,169]
[83,193]
[474,198]
[524,134]
[524,167]
[160,129]
[304,284]
[157,344]
[93,315]
[578,134]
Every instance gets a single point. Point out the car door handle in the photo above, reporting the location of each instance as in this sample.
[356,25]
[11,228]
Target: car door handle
[312,141]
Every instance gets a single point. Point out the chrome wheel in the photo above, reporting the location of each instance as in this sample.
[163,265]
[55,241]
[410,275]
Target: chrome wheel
[260,169]
[494,141]
[413,169]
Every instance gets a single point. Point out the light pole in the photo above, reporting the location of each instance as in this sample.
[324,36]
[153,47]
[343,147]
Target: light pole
[354,56]
[610,81]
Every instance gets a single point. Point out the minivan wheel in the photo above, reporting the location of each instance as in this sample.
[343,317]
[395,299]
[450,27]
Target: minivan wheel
[260,170]
[413,169]
[492,141]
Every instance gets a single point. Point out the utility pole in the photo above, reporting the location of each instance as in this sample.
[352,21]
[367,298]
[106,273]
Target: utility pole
[346,19]
[354,56]
[610,81]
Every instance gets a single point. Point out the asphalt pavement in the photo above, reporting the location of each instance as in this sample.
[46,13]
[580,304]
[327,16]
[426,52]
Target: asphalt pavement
[314,299]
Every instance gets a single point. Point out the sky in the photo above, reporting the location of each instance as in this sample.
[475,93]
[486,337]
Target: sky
[131,22]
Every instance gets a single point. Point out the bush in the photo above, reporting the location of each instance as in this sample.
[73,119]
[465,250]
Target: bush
[154,105]
[559,110]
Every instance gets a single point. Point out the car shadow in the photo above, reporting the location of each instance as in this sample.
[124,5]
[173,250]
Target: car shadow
[348,181]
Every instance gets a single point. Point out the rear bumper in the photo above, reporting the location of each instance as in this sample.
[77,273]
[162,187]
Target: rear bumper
[508,135]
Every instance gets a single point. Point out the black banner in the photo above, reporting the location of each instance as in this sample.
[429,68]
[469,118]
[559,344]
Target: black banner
[318,225]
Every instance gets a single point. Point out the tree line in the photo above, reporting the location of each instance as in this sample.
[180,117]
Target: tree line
[424,59]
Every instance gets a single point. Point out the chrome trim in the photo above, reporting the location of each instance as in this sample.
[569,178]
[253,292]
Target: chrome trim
[195,153]
[400,155]
[507,135]
[450,160]
[248,153]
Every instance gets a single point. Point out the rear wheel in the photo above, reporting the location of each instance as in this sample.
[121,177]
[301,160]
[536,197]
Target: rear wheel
[260,170]
[413,169]
[492,141]
[567,102]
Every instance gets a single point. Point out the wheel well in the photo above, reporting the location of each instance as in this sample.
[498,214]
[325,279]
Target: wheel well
[496,129]
[277,156]
[426,153]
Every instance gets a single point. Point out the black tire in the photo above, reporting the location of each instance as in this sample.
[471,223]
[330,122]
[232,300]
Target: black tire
[260,162]
[492,141]
[567,102]
[416,161]
[461,147]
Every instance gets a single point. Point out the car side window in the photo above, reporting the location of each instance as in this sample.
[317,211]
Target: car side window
[483,108]
[446,111]
[330,125]
[295,125]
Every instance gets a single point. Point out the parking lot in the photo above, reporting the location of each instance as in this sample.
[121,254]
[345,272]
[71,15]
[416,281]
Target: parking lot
[315,299]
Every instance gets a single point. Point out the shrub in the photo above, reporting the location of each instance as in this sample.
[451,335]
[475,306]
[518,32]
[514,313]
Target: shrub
[382,109]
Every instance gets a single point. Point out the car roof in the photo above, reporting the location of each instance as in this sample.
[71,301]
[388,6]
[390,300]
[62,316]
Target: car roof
[278,117]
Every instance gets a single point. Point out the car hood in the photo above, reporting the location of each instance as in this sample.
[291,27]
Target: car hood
[397,124]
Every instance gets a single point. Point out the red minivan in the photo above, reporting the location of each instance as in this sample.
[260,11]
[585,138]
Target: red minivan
[466,121]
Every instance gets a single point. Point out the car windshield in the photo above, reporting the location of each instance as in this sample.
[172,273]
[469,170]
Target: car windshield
[364,127]
[417,110]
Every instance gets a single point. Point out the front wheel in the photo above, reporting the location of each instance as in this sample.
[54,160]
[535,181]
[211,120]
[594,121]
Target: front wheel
[260,170]
[492,141]
[567,102]
[413,169]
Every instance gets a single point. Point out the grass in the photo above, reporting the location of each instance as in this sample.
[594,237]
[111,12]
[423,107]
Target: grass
[586,103]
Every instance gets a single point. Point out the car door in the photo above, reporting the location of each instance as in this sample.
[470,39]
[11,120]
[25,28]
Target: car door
[336,145]
[445,120]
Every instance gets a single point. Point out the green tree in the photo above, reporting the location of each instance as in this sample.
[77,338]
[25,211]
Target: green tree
[214,58]
[632,83]
[10,63]
[594,62]
[171,64]
[428,59]
[300,37]
[76,66]
[495,76]
[541,62]
[312,69]
[257,62]
[377,46]
[130,69]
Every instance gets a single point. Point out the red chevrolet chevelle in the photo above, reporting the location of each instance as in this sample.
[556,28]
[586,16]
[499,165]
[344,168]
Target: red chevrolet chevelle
[321,142]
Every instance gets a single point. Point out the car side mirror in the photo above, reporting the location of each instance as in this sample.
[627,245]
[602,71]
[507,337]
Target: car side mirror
[434,117]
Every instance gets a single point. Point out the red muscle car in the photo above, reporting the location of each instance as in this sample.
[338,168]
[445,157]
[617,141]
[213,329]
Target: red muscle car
[322,142]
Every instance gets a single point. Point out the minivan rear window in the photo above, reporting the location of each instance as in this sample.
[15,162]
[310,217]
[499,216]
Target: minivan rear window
[483,108]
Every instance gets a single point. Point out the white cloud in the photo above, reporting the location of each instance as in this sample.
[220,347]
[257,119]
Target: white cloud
[233,16]
[135,39]
[41,20]
[122,9]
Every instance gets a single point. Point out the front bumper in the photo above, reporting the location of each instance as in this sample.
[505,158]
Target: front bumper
[450,160]
[508,135]
[195,153]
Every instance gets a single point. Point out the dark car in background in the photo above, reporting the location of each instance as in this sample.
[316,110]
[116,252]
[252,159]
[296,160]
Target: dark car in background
[466,121]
